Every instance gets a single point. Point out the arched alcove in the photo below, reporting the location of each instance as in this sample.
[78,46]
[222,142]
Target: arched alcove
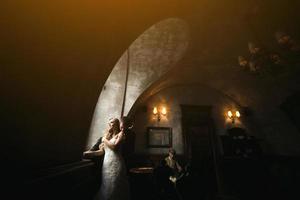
[149,57]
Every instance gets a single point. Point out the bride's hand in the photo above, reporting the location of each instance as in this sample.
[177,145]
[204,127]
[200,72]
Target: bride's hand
[101,145]
[115,136]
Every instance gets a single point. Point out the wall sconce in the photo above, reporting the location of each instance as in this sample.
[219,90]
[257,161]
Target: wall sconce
[233,115]
[158,113]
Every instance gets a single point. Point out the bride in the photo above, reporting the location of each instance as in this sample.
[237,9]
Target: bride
[114,184]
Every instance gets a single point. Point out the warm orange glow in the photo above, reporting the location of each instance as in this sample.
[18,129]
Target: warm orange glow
[237,114]
[229,113]
[232,115]
[163,110]
[154,110]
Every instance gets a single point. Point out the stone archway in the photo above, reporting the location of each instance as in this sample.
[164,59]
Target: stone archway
[149,57]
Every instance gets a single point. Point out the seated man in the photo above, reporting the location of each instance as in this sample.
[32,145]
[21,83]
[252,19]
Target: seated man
[174,165]
[162,174]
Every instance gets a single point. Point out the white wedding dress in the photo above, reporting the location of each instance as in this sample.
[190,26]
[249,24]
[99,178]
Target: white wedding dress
[114,184]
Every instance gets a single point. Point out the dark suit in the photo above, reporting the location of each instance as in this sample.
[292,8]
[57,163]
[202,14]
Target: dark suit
[95,147]
[128,147]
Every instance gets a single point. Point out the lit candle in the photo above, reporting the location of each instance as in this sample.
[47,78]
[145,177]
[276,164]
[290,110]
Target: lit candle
[164,111]
[154,110]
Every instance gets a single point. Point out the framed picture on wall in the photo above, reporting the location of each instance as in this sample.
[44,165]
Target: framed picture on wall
[159,137]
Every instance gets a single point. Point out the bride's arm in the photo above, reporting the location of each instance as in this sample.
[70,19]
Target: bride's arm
[113,145]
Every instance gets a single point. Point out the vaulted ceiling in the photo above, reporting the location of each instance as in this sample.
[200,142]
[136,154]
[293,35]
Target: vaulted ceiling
[56,56]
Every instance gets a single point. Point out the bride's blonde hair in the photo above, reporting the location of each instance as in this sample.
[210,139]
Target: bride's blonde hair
[113,130]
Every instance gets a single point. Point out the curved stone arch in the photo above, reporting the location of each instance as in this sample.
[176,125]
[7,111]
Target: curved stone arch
[171,97]
[143,97]
[229,103]
[149,57]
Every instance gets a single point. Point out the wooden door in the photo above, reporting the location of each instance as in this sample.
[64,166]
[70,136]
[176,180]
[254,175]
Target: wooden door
[200,148]
[197,128]
[199,144]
